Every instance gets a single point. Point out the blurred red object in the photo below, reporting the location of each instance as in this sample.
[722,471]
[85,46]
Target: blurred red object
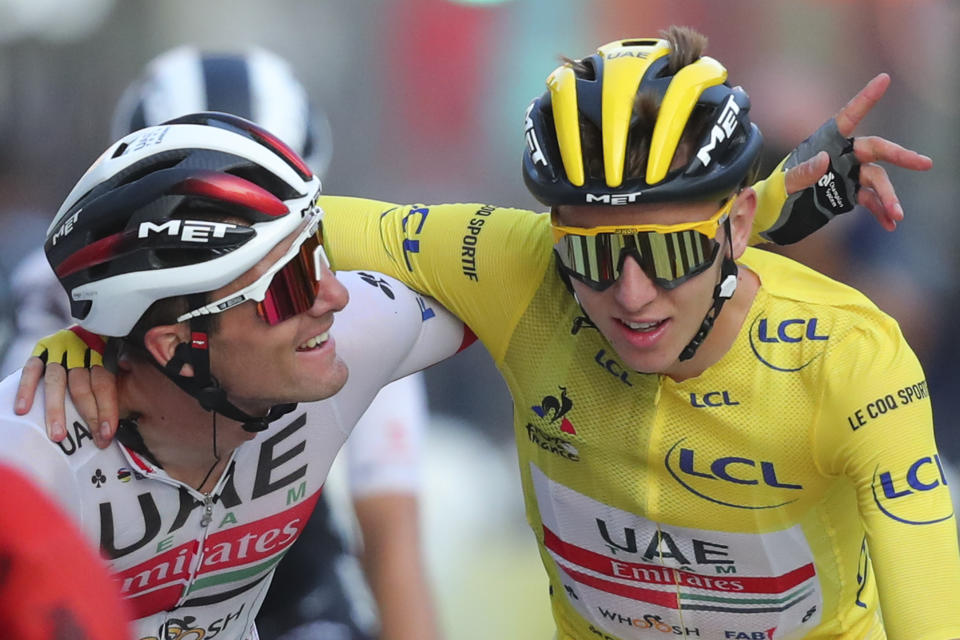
[53,585]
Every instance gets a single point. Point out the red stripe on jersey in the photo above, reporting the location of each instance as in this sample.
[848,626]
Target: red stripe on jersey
[137,460]
[659,574]
[159,583]
[651,596]
[469,337]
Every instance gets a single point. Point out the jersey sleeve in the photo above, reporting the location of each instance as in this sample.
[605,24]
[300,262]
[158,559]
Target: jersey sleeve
[384,450]
[384,333]
[771,196]
[875,427]
[481,262]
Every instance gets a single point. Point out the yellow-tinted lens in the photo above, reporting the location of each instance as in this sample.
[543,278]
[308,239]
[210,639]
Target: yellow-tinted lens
[668,259]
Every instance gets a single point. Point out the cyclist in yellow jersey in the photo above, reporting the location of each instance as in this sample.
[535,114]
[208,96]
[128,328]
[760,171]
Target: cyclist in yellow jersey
[764,472]
[768,471]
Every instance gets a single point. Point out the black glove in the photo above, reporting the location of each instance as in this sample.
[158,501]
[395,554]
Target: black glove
[836,192]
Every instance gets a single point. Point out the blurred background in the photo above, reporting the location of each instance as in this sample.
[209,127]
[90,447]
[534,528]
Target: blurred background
[426,99]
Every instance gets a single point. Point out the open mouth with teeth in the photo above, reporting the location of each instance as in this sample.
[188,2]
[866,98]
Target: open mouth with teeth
[315,342]
[643,326]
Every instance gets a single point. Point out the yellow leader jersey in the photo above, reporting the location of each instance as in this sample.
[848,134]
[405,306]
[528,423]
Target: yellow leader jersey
[792,490]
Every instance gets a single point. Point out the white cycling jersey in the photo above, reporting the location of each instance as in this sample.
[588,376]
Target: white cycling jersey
[381,454]
[195,566]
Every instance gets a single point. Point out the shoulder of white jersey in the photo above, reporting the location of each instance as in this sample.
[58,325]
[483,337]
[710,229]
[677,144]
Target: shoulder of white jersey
[384,313]
[52,466]
[385,332]
[78,446]
[9,421]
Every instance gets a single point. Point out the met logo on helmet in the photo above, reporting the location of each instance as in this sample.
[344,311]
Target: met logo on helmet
[530,134]
[724,127]
[188,230]
[614,199]
[65,228]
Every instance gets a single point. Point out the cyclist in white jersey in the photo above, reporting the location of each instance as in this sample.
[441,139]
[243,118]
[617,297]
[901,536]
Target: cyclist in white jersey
[323,585]
[214,472]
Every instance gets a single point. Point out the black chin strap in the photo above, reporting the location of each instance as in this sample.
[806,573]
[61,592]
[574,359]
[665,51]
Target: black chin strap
[204,387]
[721,293]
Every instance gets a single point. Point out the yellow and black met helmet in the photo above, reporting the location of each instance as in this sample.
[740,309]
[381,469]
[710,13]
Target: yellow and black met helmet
[598,94]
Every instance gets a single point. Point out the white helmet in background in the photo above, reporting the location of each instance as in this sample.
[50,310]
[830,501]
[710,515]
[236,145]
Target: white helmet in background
[254,84]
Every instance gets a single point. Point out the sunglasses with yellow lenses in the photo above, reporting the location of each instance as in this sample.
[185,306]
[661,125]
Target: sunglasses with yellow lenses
[670,254]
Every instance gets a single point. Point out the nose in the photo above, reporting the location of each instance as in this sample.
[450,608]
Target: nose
[331,294]
[634,289]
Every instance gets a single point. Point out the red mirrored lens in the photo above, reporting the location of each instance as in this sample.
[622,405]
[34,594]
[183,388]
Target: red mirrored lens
[294,288]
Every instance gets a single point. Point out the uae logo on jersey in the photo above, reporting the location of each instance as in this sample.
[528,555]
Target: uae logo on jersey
[554,409]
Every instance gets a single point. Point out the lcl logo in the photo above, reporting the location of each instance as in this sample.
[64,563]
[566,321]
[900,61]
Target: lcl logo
[896,488]
[731,481]
[792,330]
[770,341]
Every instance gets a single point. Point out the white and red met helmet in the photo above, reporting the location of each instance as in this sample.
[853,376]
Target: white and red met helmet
[136,228]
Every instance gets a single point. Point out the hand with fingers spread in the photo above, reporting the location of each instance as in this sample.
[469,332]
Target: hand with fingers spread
[72,359]
[831,171]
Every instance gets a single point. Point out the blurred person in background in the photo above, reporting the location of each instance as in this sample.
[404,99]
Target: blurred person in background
[319,587]
[8,321]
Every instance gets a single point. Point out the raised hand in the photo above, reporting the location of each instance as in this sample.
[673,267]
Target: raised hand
[856,161]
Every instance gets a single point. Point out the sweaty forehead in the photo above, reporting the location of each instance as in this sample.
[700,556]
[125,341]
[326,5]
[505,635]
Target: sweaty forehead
[634,214]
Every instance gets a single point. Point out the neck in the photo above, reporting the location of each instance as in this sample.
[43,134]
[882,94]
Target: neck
[178,432]
[725,329]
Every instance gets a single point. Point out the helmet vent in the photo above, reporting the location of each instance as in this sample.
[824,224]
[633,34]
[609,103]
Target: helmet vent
[265,179]
[142,169]
[643,42]
[586,70]
[119,151]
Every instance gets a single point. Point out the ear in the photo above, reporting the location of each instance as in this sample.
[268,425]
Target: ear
[161,343]
[741,219]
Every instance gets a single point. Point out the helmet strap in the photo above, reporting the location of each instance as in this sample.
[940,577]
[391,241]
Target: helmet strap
[203,386]
[721,293]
